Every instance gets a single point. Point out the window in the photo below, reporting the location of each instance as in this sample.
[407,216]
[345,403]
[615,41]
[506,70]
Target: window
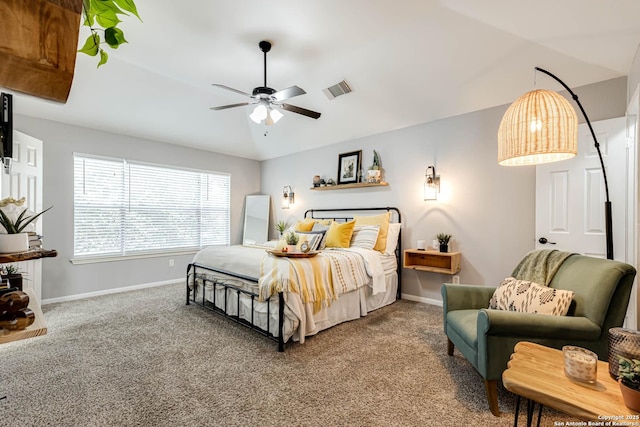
[126,208]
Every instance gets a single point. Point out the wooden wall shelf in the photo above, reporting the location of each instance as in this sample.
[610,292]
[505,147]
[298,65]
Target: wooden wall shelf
[345,186]
[26,256]
[432,261]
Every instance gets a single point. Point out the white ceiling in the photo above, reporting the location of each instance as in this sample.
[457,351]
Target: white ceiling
[407,61]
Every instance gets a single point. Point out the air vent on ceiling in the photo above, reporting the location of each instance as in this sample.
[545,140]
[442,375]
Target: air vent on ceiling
[337,90]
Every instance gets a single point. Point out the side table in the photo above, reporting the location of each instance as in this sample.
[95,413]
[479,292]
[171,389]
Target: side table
[536,372]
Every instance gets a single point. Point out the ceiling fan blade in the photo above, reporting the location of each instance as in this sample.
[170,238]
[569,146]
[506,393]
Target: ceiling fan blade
[300,110]
[287,93]
[232,89]
[224,107]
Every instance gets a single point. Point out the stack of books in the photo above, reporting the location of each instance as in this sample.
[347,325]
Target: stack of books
[35,241]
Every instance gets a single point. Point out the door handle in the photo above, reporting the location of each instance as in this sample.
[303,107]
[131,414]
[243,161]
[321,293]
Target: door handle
[544,241]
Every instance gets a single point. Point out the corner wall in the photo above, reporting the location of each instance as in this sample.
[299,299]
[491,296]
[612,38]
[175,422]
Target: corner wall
[60,278]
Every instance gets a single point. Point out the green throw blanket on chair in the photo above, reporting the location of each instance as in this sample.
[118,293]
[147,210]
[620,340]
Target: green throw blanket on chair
[540,266]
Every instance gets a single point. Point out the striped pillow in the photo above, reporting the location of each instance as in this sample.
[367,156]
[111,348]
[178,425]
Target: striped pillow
[313,238]
[365,236]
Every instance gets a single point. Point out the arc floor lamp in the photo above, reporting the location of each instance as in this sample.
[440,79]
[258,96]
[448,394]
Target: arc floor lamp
[540,127]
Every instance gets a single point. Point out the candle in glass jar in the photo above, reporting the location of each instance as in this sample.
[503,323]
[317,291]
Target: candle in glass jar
[580,364]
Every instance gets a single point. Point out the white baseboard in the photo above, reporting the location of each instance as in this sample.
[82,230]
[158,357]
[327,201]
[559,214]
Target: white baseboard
[430,301]
[111,291]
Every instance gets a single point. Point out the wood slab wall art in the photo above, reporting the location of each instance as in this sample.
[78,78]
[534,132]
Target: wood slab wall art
[38,44]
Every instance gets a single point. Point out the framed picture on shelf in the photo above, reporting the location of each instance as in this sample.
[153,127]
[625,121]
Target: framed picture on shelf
[348,167]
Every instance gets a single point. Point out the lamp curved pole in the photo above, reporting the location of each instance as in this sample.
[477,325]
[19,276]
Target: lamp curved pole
[607,203]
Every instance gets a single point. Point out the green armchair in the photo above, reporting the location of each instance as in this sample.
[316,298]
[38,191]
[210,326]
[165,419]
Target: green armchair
[486,337]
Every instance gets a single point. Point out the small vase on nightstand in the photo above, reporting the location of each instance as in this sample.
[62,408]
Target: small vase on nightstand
[444,248]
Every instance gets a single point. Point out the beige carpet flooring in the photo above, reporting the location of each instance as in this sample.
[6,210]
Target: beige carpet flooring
[144,358]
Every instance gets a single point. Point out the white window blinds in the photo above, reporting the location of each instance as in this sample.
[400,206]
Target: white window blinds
[126,208]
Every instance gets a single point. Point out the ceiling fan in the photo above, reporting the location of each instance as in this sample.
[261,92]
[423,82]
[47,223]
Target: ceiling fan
[269,100]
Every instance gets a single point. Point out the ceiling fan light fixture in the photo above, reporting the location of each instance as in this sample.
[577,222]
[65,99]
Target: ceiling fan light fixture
[259,114]
[275,115]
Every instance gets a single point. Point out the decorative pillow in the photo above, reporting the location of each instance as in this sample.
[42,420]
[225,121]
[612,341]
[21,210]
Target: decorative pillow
[392,238]
[305,225]
[530,297]
[365,236]
[324,228]
[313,238]
[382,221]
[339,234]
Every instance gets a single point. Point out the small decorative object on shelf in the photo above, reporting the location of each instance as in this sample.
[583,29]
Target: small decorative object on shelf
[331,182]
[443,240]
[316,181]
[373,174]
[14,311]
[12,275]
[15,220]
[348,167]
[629,379]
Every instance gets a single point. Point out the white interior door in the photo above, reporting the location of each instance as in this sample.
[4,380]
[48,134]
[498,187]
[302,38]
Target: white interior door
[25,180]
[570,195]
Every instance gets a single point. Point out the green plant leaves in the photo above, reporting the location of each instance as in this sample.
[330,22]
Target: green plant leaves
[91,45]
[104,13]
[114,37]
[103,57]
[129,6]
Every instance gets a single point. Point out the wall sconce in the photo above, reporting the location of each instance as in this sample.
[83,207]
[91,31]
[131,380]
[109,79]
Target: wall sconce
[287,197]
[431,184]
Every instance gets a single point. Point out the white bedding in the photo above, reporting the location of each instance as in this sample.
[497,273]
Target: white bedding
[300,318]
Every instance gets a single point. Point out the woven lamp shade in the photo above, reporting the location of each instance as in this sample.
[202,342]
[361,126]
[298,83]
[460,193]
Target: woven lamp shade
[539,127]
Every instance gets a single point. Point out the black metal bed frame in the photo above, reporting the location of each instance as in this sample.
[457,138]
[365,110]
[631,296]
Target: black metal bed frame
[192,272]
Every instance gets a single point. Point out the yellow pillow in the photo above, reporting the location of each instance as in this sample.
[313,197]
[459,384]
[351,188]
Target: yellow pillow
[381,220]
[339,234]
[305,225]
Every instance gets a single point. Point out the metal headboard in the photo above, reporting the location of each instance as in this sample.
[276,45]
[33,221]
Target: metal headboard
[338,215]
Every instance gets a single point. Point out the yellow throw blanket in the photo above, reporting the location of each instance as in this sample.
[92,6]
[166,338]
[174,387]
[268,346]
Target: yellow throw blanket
[318,280]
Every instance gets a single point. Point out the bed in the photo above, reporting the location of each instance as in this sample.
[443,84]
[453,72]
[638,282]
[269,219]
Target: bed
[288,299]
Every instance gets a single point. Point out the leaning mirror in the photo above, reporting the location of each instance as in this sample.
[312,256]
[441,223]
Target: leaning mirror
[256,219]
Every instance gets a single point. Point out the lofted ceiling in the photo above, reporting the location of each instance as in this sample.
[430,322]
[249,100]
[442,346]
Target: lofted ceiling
[407,61]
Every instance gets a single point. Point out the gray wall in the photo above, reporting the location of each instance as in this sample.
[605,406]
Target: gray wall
[489,209]
[60,141]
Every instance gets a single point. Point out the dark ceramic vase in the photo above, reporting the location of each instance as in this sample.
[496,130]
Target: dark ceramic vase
[444,248]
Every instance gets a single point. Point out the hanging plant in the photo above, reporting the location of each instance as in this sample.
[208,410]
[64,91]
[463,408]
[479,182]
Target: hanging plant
[101,16]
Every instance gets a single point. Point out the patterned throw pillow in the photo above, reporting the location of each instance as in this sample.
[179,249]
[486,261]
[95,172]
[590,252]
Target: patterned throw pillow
[530,297]
[365,236]
[313,238]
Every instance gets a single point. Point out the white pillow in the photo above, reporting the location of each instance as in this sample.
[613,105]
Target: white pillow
[365,236]
[392,238]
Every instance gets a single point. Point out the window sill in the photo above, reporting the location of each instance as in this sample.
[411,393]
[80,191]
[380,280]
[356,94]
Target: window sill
[99,259]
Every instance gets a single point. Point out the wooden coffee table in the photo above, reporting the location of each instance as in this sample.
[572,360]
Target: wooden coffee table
[536,372]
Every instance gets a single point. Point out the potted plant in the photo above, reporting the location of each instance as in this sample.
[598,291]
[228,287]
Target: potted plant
[281,226]
[13,275]
[629,379]
[443,240]
[373,174]
[16,238]
[101,16]
[292,240]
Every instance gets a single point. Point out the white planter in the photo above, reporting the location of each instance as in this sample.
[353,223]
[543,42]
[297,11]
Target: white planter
[10,243]
[373,176]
